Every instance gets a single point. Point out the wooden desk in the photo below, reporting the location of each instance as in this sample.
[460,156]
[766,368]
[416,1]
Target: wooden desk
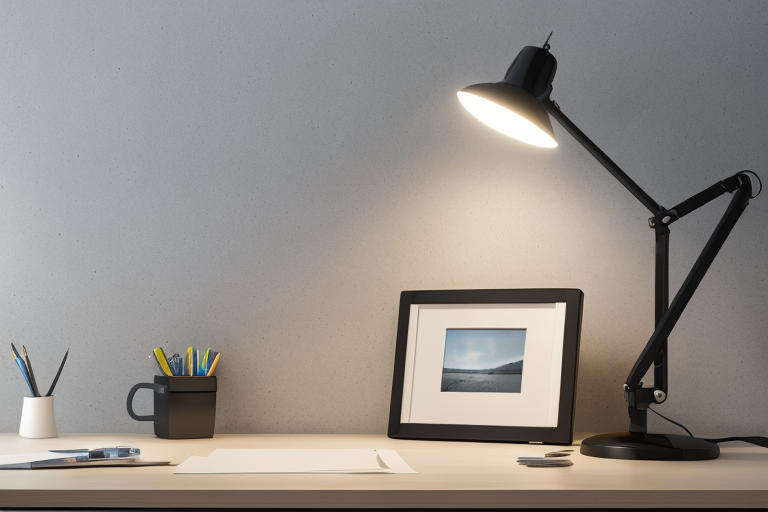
[451,475]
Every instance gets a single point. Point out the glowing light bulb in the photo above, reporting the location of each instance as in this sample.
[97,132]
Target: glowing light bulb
[505,121]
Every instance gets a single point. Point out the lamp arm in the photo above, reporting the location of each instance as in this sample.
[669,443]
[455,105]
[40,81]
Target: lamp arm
[660,224]
[721,187]
[668,320]
[637,397]
[662,231]
[554,110]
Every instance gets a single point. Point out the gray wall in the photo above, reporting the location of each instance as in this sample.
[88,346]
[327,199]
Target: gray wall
[265,178]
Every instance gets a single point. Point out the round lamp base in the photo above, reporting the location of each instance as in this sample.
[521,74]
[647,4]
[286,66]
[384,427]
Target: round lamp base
[624,445]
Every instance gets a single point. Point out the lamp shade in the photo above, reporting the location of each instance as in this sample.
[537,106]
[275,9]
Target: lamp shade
[511,110]
[513,106]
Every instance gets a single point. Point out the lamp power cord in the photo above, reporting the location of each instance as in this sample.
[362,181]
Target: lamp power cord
[756,440]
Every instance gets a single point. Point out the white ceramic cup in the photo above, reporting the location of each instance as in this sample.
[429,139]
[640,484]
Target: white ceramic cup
[37,421]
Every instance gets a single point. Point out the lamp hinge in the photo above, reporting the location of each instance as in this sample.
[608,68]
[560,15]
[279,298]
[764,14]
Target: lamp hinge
[664,217]
[641,398]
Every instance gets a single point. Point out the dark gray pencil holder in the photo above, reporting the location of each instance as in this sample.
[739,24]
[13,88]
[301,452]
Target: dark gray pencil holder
[185,407]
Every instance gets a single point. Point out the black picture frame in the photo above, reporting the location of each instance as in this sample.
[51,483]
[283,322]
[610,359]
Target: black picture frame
[562,433]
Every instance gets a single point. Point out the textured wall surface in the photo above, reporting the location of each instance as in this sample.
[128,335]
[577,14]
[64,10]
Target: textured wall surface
[265,177]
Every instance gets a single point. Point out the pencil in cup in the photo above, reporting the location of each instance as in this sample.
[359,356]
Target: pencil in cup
[25,366]
[193,365]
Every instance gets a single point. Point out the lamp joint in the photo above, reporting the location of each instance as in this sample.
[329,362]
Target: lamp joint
[664,218]
[640,398]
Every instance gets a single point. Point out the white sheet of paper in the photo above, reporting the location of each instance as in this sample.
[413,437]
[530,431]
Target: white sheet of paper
[295,461]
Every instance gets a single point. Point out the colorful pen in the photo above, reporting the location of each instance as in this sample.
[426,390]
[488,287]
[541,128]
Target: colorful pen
[197,363]
[205,362]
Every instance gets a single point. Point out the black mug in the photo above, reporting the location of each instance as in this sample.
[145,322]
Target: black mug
[185,407]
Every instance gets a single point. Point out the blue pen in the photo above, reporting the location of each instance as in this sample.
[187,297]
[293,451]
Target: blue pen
[25,358]
[23,369]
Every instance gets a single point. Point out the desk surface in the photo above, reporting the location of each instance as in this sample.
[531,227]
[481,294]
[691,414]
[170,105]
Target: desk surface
[451,475]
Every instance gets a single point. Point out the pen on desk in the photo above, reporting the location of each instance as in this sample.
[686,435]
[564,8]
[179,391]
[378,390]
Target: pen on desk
[61,367]
[116,452]
[29,368]
[23,368]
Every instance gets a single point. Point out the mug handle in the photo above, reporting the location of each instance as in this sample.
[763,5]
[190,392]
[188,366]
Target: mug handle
[129,403]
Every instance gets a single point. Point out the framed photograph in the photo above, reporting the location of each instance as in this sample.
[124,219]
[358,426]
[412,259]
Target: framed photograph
[486,365]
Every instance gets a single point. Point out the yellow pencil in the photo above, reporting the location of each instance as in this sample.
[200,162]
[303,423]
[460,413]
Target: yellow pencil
[213,365]
[204,363]
[162,361]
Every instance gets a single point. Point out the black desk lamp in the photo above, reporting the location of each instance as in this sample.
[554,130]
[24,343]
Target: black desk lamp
[518,106]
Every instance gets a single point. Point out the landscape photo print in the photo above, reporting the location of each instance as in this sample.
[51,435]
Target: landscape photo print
[483,360]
